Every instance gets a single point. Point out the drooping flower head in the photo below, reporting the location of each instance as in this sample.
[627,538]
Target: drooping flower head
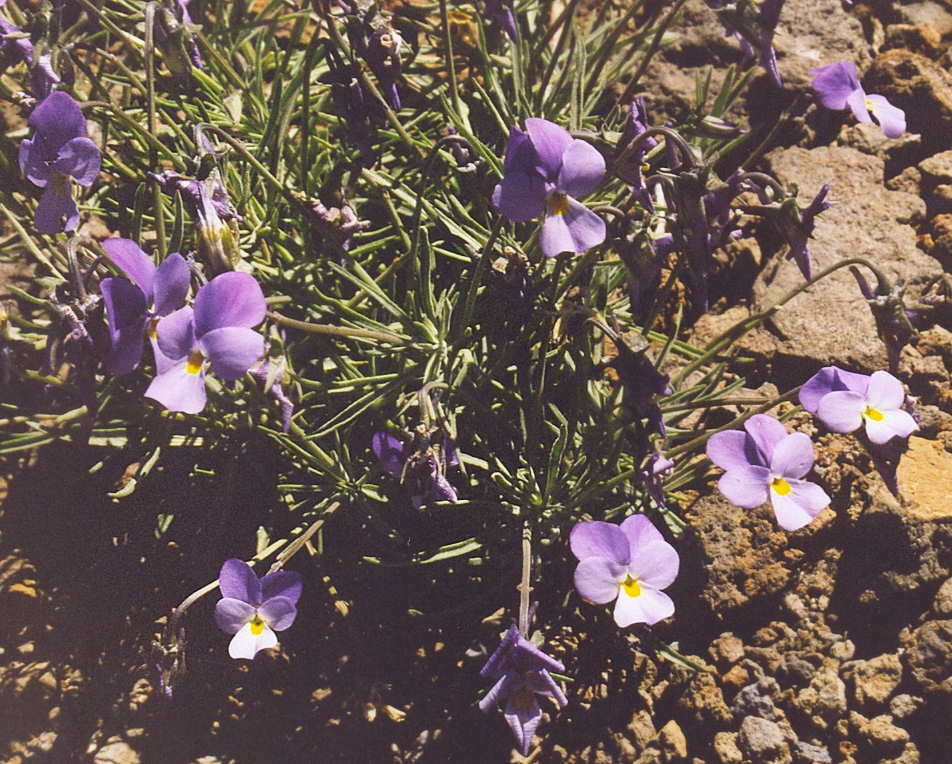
[877,405]
[501,12]
[629,564]
[253,608]
[216,332]
[544,170]
[134,304]
[838,88]
[797,227]
[754,28]
[14,45]
[421,465]
[767,461]
[58,152]
[522,671]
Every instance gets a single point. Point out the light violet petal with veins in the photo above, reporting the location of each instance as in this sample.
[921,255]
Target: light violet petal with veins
[728,449]
[278,612]
[57,204]
[132,261]
[885,391]
[282,583]
[232,614]
[520,195]
[550,142]
[835,83]
[175,334]
[654,565]
[596,538]
[583,169]
[171,284]
[232,350]
[766,432]
[640,531]
[842,411]
[597,579]
[745,487]
[798,507]
[891,119]
[79,158]
[793,456]
[179,390]
[229,299]
[237,580]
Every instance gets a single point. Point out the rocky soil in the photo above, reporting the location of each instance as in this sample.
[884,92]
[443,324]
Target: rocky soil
[832,644]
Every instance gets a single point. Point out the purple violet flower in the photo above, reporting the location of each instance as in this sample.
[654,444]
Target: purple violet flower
[797,226]
[14,48]
[266,371]
[827,380]
[421,466]
[254,608]
[218,330]
[128,302]
[838,87]
[501,11]
[765,461]
[878,406]
[630,564]
[544,170]
[42,77]
[58,151]
[522,670]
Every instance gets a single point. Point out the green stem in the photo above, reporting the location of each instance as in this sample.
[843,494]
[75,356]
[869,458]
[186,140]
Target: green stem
[338,331]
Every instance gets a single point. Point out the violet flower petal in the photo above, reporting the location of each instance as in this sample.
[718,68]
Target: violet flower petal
[729,449]
[578,230]
[793,456]
[80,159]
[497,692]
[597,579]
[179,389]
[278,612]
[891,118]
[282,583]
[550,142]
[32,164]
[229,299]
[745,487]
[649,607]
[655,565]
[885,391]
[56,119]
[245,644]
[583,168]
[520,196]
[237,580]
[176,333]
[798,507]
[639,531]
[520,155]
[126,316]
[842,411]
[834,84]
[498,662]
[523,714]
[895,423]
[56,203]
[171,284]
[827,380]
[232,614]
[232,350]
[766,433]
[857,103]
[389,452]
[132,261]
[596,538]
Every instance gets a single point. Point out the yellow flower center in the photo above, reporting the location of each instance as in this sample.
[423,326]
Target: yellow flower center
[631,586]
[557,202]
[522,699]
[780,486]
[195,361]
[153,333]
[257,625]
[875,414]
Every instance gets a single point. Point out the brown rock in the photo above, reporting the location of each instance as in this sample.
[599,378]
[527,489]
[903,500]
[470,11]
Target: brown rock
[935,14]
[863,222]
[941,232]
[918,85]
[918,38]
[928,497]
[928,656]
[940,202]
[879,734]
[704,700]
[873,681]
[725,747]
[942,604]
[763,741]
[726,649]
[937,168]
[116,752]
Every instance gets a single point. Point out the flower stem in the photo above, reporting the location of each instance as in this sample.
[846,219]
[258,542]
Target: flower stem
[524,587]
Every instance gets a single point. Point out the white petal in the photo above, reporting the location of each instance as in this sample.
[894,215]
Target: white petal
[894,423]
[650,606]
[246,645]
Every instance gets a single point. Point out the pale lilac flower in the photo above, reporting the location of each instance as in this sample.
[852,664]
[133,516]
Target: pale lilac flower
[253,609]
[838,88]
[421,465]
[827,380]
[630,564]
[878,407]
[134,305]
[767,461]
[216,332]
[58,152]
[544,170]
[522,670]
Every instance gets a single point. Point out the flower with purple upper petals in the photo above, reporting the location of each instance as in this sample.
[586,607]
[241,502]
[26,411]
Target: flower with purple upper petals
[878,406]
[216,332]
[58,152]
[838,88]
[827,380]
[128,301]
[522,671]
[254,608]
[630,564]
[545,169]
[43,78]
[765,461]
[421,465]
